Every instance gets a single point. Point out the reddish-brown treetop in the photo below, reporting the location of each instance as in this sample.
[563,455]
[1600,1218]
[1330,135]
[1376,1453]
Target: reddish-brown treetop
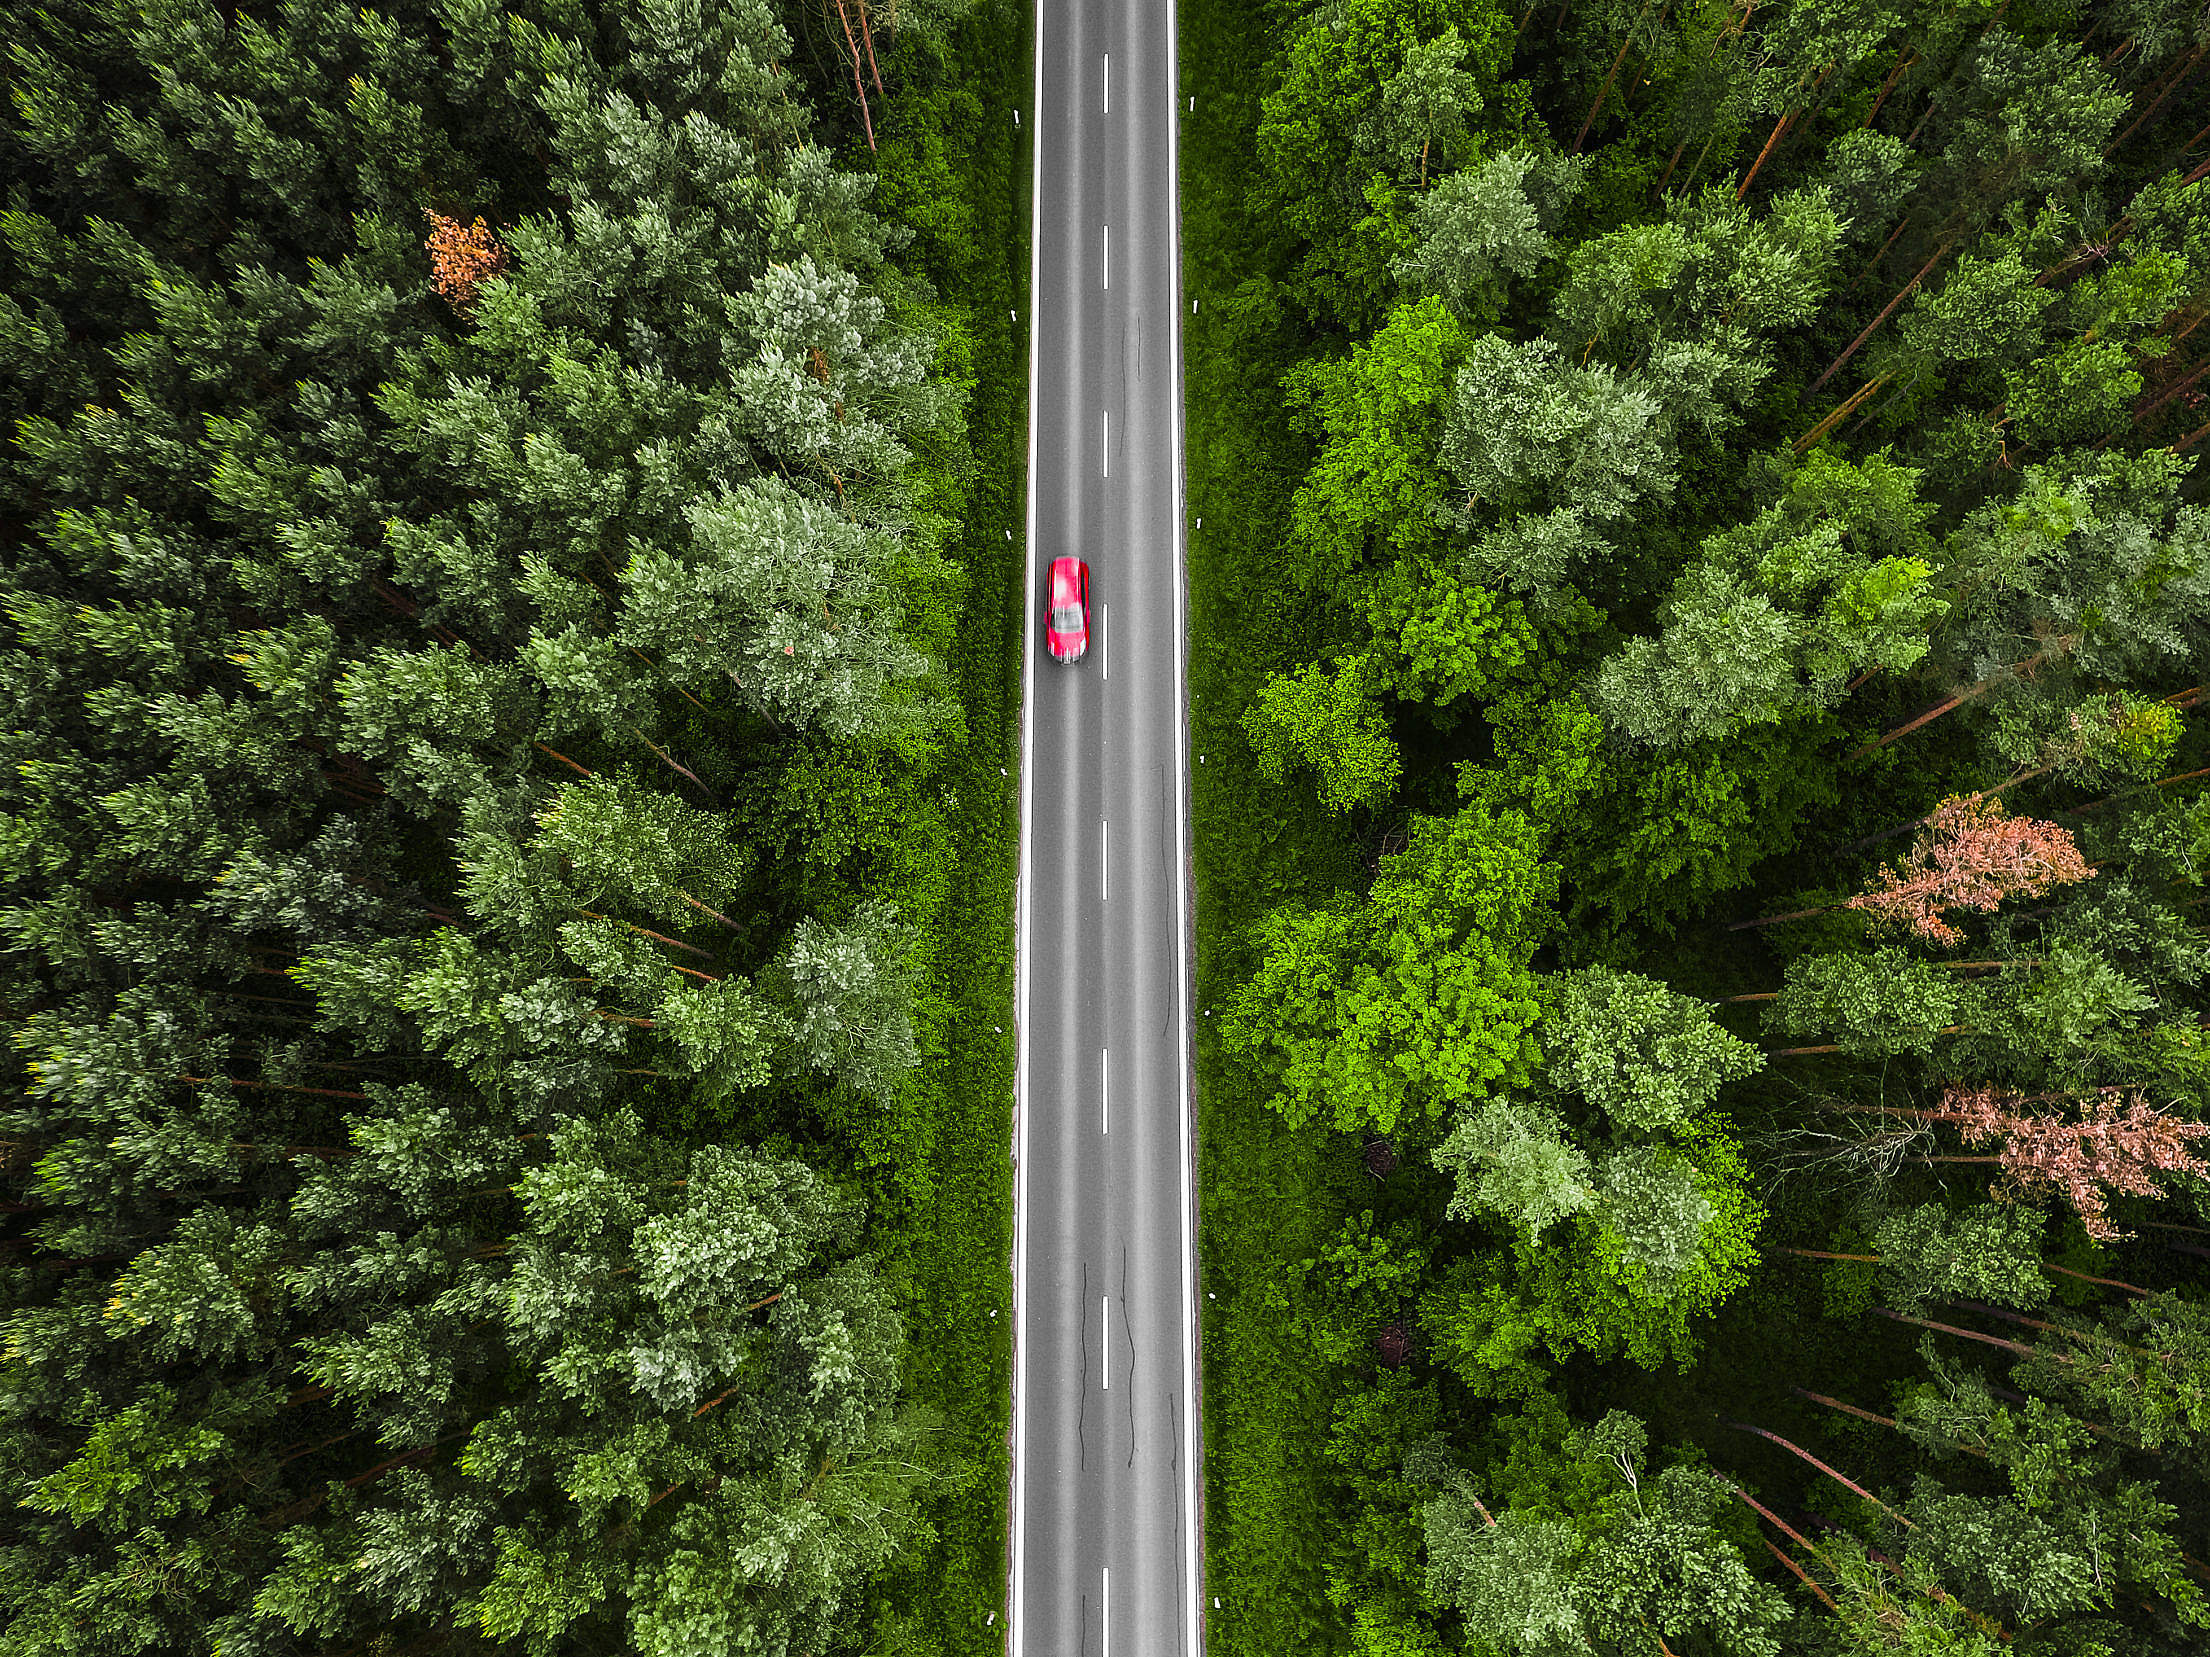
[462,256]
[1972,854]
[2115,1145]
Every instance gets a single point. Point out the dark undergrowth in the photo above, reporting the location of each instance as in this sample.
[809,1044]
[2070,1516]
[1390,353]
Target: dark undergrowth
[1267,1197]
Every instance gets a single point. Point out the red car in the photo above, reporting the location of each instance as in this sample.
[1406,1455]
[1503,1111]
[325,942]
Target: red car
[1067,620]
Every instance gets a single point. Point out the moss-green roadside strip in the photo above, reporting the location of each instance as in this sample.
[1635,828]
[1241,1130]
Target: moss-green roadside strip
[1267,1197]
[955,168]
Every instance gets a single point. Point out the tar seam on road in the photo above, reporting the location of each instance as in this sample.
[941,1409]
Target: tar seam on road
[1181,1519]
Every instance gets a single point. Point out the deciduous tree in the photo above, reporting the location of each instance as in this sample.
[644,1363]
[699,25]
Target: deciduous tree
[1417,998]
[1645,1055]
[1332,723]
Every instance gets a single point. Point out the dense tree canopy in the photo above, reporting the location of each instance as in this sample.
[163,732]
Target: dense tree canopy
[1737,476]
[475,525]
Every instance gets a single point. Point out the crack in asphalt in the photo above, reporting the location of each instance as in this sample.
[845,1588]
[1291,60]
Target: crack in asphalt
[1082,1404]
[1127,1323]
[1174,1465]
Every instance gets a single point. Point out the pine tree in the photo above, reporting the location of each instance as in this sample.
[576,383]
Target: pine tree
[304,515]
[1781,615]
[1645,1560]
[1874,1005]
[1423,107]
[1515,1161]
[1488,221]
[1990,1251]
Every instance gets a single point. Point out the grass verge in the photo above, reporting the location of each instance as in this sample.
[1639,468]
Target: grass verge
[1267,1198]
[954,167]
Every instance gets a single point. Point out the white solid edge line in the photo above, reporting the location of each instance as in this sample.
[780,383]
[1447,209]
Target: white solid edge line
[1024,891]
[1183,918]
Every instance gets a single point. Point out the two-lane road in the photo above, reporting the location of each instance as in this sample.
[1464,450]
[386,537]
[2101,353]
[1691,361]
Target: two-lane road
[1105,1556]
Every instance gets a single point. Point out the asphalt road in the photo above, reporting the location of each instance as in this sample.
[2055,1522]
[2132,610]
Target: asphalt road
[1105,1544]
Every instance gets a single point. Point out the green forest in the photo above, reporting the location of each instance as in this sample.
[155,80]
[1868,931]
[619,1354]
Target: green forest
[1700,587]
[509,658]
[1699,563]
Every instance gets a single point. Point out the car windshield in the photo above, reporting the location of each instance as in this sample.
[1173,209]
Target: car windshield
[1066,618]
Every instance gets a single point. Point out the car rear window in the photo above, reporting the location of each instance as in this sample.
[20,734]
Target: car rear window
[1066,618]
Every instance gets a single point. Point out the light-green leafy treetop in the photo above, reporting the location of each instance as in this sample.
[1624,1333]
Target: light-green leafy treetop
[1375,485]
[1331,722]
[1410,1000]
